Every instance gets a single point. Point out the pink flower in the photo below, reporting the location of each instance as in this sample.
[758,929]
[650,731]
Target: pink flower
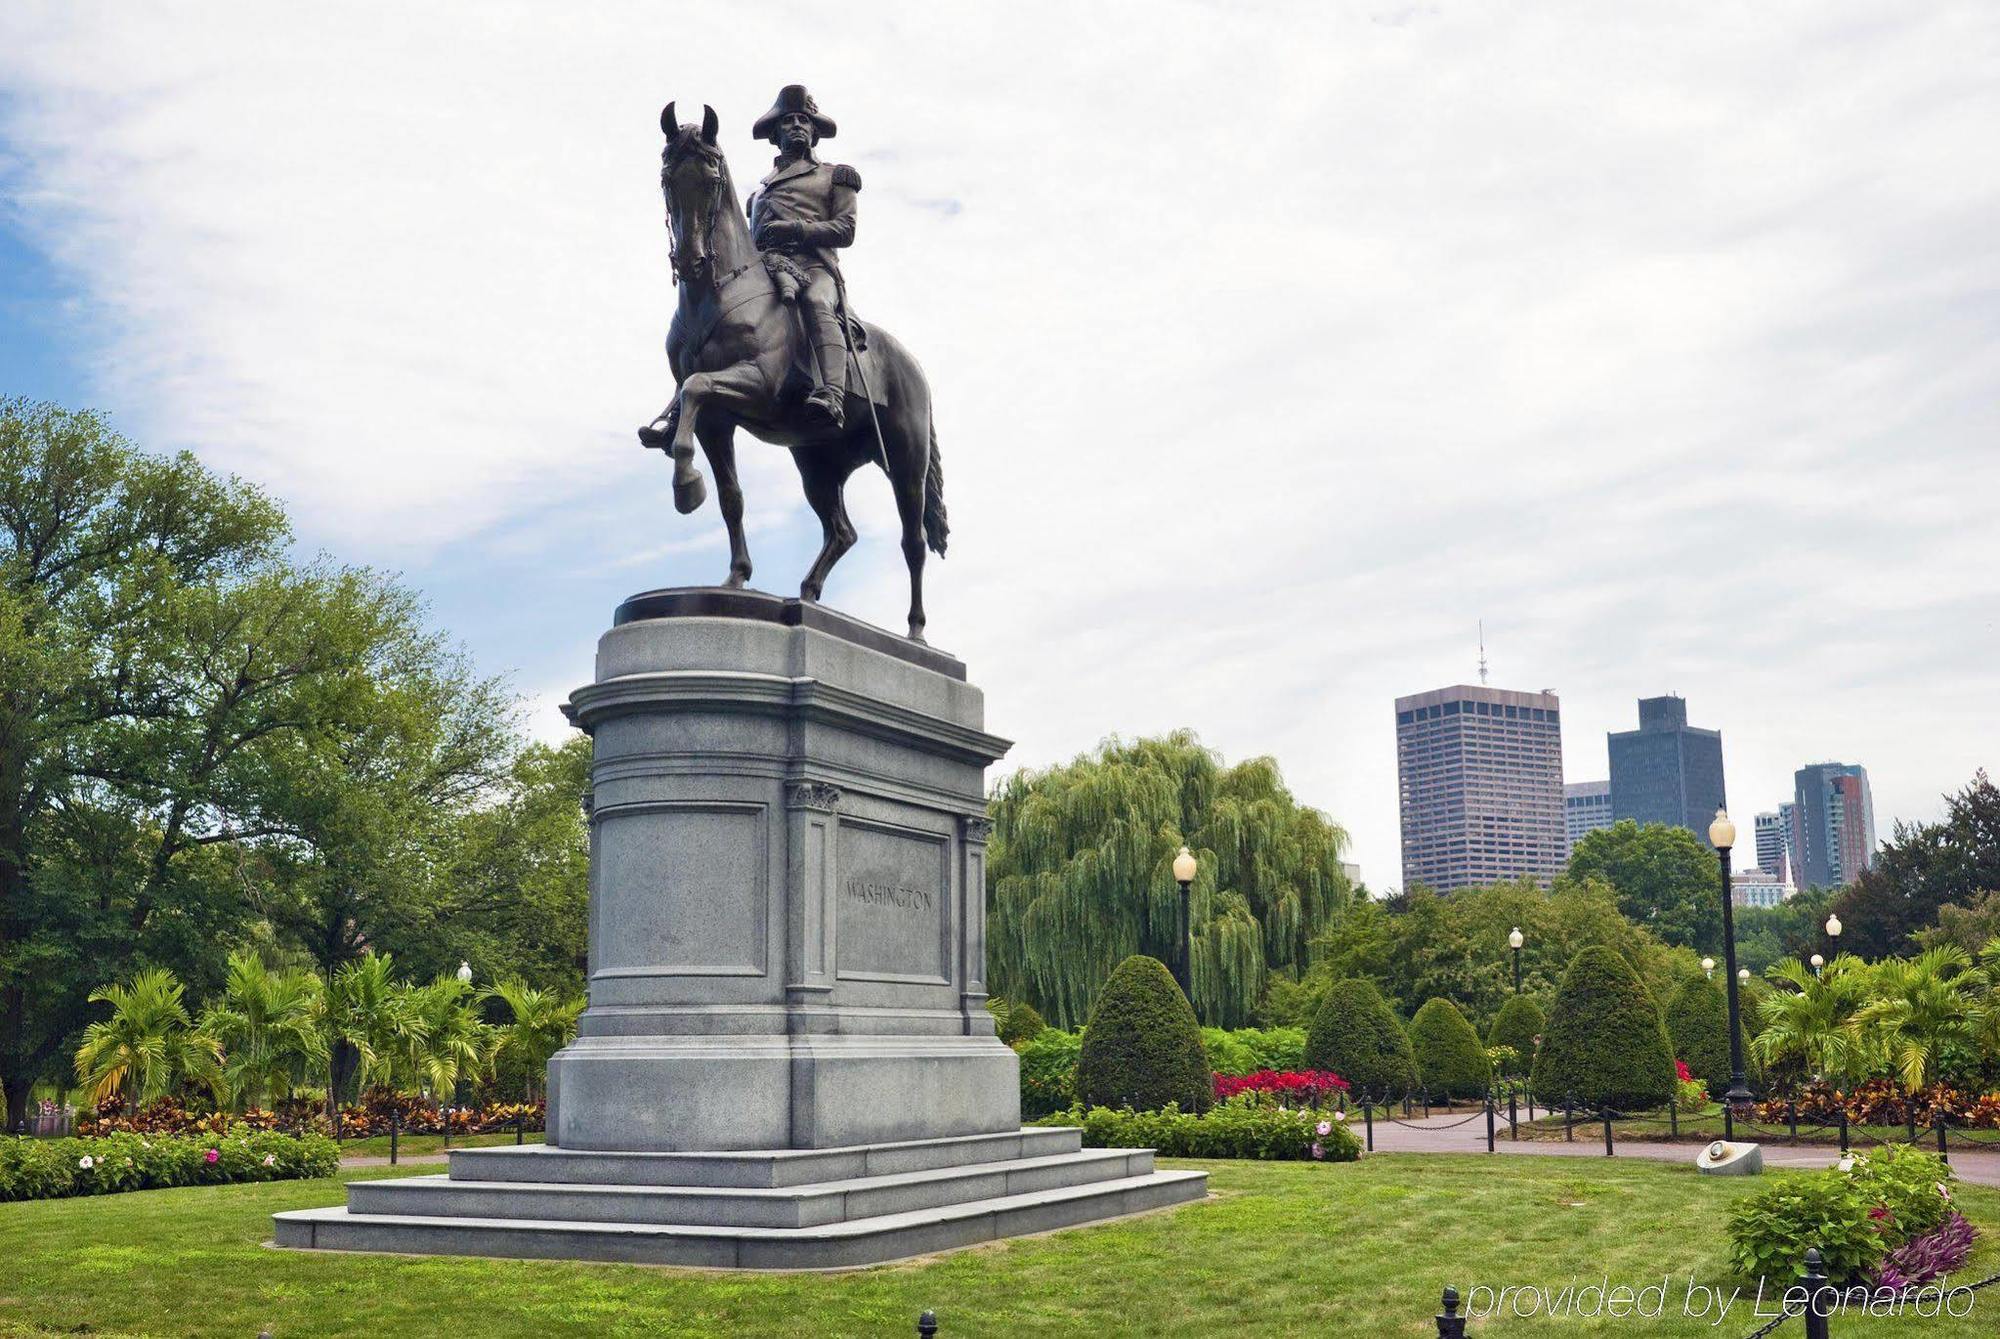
[1325,1128]
[1317,1151]
[270,1159]
[214,1155]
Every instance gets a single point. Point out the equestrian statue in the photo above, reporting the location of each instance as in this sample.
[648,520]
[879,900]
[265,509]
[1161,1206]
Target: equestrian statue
[763,338]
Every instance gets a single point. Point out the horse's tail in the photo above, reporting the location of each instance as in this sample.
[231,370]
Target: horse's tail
[936,528]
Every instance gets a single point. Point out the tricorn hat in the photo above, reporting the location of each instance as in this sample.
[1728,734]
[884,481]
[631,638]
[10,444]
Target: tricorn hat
[792,98]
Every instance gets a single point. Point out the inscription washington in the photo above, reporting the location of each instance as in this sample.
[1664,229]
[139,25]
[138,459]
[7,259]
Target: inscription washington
[895,895]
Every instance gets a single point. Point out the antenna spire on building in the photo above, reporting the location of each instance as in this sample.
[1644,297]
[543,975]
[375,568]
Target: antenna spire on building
[1482,652]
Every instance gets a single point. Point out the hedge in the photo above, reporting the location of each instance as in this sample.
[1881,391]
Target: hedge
[1142,1046]
[1249,1050]
[1048,1072]
[33,1169]
[1604,1043]
[1231,1130]
[1018,1022]
[1357,1036]
[1698,1027]
[1450,1060]
[1516,1027]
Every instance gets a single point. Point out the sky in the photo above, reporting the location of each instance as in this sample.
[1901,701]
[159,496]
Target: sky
[1274,347]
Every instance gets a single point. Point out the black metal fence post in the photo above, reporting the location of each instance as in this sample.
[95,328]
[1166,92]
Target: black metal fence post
[1569,1119]
[1450,1324]
[1943,1152]
[1489,1120]
[338,1125]
[1814,1280]
[1606,1113]
[1531,1102]
[395,1127]
[927,1324]
[1513,1117]
[1674,1117]
[1843,1127]
[1427,1103]
[1728,1119]
[1792,1118]
[445,1112]
[1368,1121]
[520,1125]
[1910,1119]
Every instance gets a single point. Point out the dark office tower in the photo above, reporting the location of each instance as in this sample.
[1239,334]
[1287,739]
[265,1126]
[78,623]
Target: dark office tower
[1667,771]
[1480,776]
[1774,840]
[1833,824]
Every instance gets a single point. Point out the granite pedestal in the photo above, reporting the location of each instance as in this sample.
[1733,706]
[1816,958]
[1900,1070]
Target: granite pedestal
[786,1060]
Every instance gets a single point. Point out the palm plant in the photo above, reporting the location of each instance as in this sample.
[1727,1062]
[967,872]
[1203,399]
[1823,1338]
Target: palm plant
[543,1023]
[443,1039]
[271,1026]
[1817,1022]
[1923,1007]
[367,1018]
[148,1046]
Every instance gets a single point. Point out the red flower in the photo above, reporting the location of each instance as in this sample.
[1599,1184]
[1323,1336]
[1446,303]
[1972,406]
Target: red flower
[1681,1070]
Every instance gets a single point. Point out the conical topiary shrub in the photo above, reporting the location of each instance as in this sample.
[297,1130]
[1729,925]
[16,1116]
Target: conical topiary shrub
[1020,1024]
[1357,1035]
[1604,1045]
[1142,1047]
[1698,1027]
[1450,1060]
[1517,1026]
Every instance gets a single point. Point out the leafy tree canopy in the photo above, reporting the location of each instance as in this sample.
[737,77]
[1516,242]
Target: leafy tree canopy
[1080,876]
[1664,877]
[1923,868]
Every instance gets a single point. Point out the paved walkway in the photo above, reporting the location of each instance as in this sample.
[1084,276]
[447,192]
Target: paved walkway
[1456,1134]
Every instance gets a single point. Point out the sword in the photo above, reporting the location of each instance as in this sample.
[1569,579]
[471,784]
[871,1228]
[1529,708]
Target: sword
[853,356]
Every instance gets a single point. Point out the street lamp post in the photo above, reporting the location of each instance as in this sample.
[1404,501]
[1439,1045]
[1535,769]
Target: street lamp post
[1514,941]
[464,975]
[1817,963]
[1708,968]
[1184,869]
[1833,932]
[1722,836]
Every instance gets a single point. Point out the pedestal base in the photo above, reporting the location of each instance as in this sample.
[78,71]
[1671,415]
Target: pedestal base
[784,1209]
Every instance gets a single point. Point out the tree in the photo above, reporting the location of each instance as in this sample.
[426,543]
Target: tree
[1450,1060]
[540,1024]
[1812,1022]
[1142,1048]
[1923,867]
[367,1015]
[1698,1025]
[1357,1036]
[442,1039]
[1971,927]
[1518,1027]
[148,1046]
[270,1026]
[1080,876]
[1665,879]
[1604,1043]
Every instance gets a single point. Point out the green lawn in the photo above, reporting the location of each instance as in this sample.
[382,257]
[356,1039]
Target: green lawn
[410,1145]
[1311,1249]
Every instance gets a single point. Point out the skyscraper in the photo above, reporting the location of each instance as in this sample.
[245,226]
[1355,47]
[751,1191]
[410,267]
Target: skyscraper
[1480,778]
[1833,825]
[1586,808]
[1774,842]
[1666,771]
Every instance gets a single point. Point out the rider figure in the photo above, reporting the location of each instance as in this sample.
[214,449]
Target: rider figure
[805,209]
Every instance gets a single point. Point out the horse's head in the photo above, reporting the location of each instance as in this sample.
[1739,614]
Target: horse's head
[693,179]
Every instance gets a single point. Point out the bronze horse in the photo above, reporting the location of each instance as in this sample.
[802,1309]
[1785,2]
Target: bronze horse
[732,348]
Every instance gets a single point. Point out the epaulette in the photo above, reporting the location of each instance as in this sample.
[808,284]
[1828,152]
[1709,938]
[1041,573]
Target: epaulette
[843,175]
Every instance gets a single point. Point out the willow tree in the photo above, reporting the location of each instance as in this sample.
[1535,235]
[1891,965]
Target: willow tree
[1080,876]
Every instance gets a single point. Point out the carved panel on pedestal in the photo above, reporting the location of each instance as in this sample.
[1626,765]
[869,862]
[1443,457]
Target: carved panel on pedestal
[686,885]
[894,918]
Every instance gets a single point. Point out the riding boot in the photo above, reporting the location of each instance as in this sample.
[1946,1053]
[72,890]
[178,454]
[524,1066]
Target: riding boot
[829,394]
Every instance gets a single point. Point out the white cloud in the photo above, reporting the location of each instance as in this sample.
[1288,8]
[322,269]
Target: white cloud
[1272,347]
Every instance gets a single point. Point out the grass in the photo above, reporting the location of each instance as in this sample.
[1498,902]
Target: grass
[413,1145]
[1309,1249]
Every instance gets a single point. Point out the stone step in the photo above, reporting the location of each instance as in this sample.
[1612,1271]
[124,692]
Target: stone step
[807,1205]
[545,1163]
[857,1242]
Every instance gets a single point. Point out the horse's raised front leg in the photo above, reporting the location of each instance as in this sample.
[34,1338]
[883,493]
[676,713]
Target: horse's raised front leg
[824,481]
[718,443]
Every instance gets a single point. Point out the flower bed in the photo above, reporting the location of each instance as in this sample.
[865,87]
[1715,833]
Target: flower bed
[1285,1088]
[373,1116]
[1882,1102]
[1885,1215]
[1234,1129]
[32,1169]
